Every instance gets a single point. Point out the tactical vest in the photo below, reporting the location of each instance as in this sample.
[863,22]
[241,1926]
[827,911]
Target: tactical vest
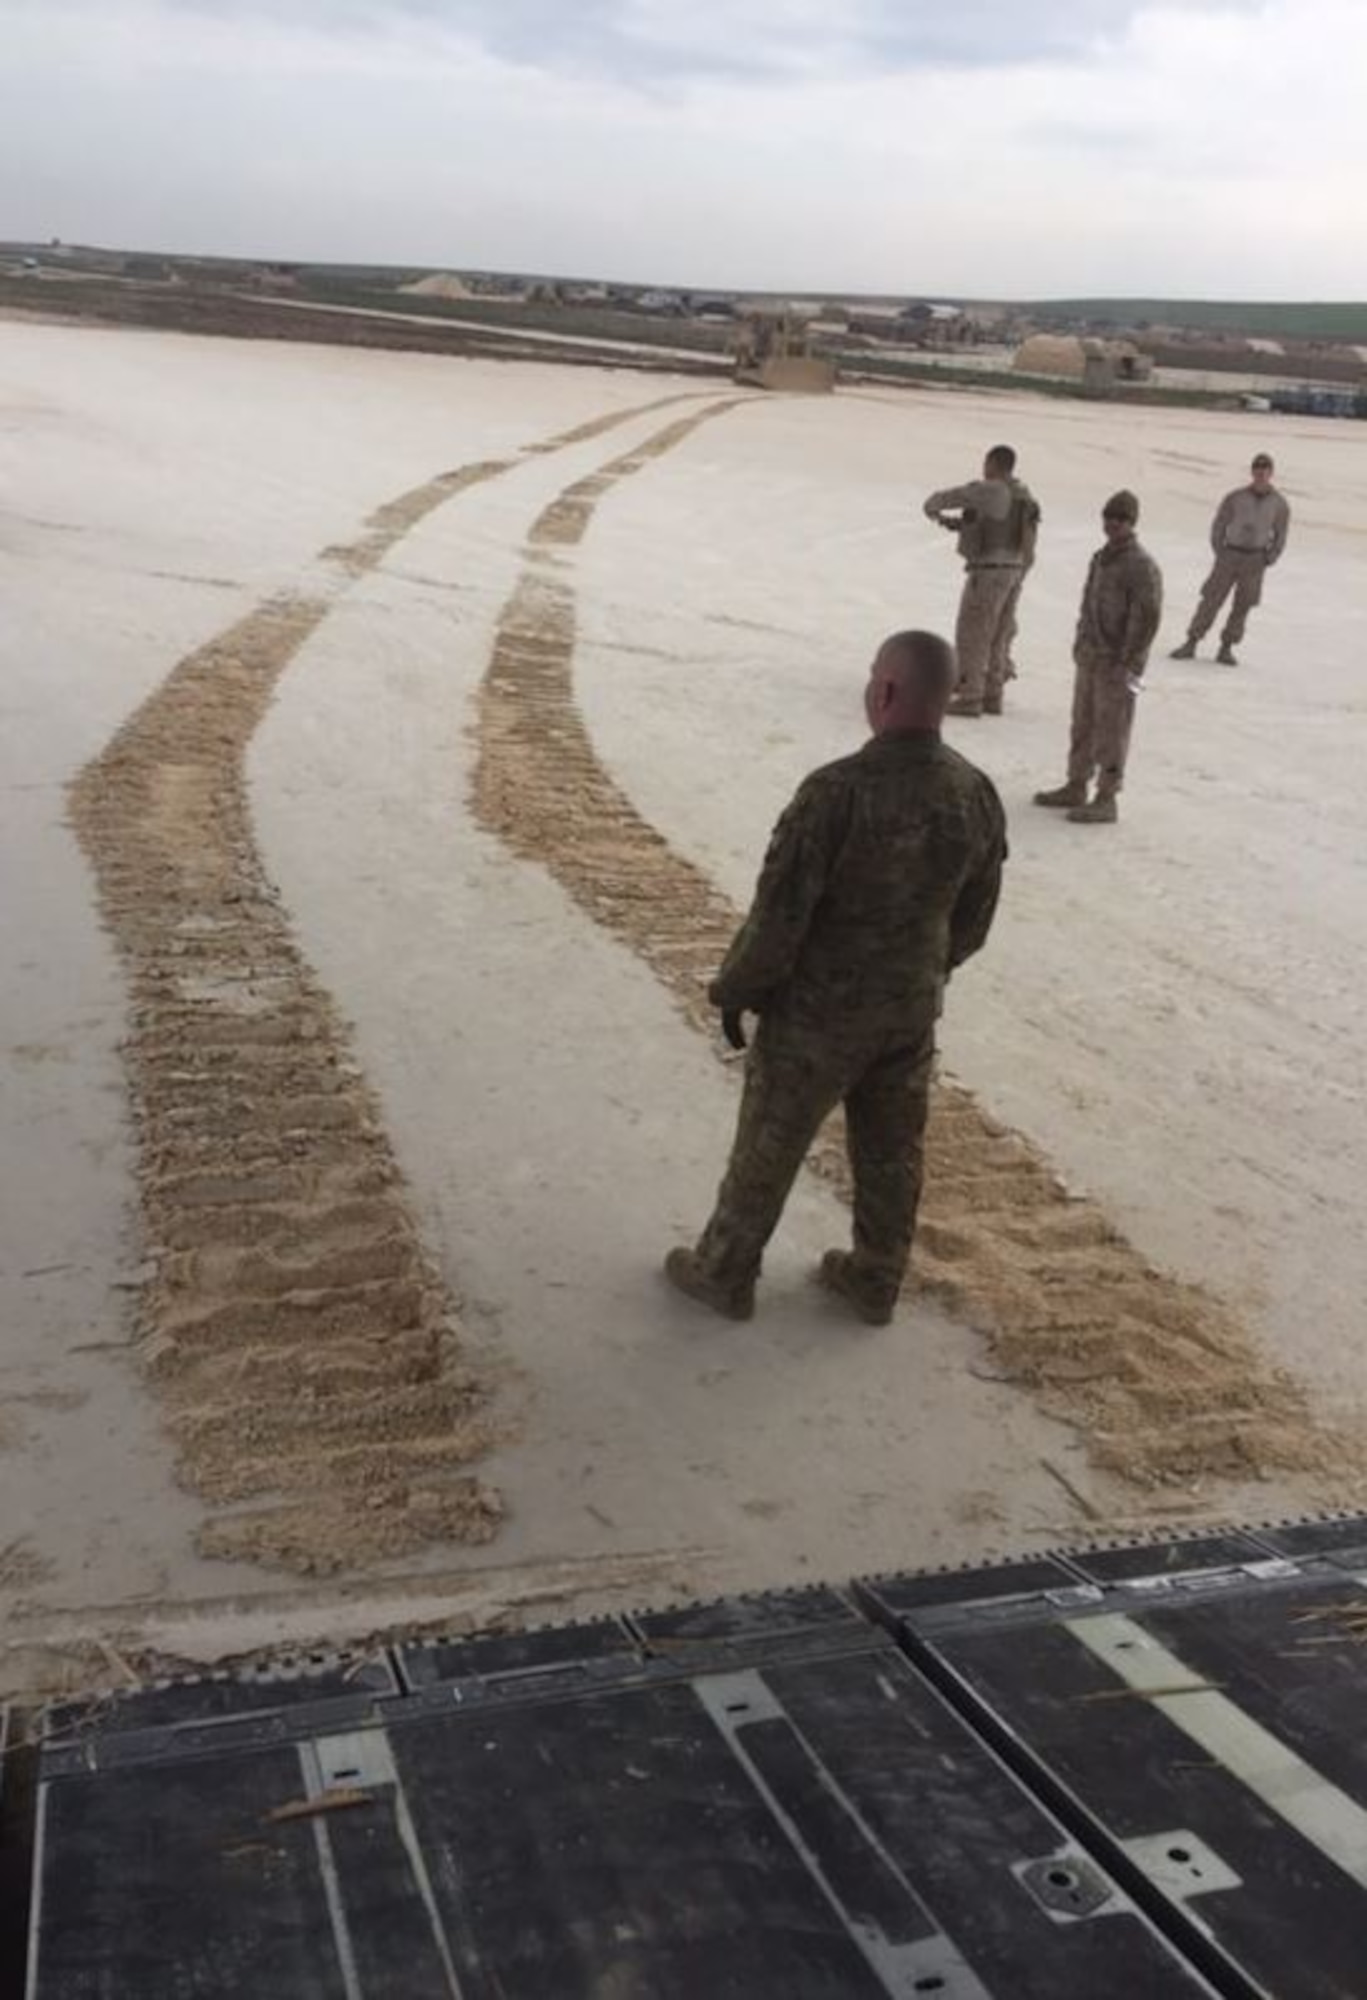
[1008,541]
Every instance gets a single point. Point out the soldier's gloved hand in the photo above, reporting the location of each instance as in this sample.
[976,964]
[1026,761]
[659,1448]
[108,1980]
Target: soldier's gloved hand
[732,1027]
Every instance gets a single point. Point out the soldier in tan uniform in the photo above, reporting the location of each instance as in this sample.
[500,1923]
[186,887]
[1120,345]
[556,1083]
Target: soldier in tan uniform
[1248,535]
[881,877]
[996,519]
[1122,603]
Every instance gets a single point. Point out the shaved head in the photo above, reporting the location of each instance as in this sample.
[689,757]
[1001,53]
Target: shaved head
[910,682]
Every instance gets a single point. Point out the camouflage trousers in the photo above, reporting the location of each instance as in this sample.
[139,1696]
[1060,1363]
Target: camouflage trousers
[1103,715]
[985,627]
[794,1078]
[1233,570]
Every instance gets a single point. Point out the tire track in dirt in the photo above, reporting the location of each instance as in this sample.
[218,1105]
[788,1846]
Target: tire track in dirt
[1163,1380]
[306,1349]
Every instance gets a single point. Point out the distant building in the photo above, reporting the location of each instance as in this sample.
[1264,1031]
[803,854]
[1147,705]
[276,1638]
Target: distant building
[439,285]
[711,305]
[1067,357]
[147,270]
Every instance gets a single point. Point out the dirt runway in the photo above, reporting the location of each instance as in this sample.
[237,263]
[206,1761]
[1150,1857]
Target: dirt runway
[334,1201]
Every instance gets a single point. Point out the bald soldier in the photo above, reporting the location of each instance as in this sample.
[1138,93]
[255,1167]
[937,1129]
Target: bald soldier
[1248,535]
[996,519]
[1122,602]
[881,877]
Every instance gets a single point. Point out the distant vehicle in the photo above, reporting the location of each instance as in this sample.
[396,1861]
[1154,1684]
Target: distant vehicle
[1310,399]
[30,264]
[773,350]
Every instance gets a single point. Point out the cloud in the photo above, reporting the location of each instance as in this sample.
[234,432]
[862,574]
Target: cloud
[656,41]
[1142,149]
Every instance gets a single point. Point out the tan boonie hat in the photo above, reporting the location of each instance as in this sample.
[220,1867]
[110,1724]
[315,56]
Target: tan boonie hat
[1122,506]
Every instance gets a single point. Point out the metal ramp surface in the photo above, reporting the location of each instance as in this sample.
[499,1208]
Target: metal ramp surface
[1138,1772]
[1197,1715]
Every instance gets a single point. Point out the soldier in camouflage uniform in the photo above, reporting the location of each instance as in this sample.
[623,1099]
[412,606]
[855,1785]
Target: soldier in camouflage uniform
[1247,535]
[881,877]
[996,519]
[1122,603]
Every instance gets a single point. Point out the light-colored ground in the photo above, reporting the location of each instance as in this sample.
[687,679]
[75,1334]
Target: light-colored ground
[1172,1008]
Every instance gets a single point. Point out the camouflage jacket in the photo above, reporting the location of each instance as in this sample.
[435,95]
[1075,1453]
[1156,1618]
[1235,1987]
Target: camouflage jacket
[1122,604]
[881,877]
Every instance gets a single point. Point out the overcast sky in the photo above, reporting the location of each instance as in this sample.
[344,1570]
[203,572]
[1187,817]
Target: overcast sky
[1022,148]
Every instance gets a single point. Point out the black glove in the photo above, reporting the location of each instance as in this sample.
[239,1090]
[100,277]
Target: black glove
[731,1027]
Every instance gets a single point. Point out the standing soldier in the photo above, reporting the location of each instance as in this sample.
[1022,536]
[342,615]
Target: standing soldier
[997,521]
[1122,603]
[881,877]
[1248,534]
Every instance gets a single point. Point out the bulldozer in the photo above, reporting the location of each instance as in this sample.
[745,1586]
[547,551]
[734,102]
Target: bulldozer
[773,350]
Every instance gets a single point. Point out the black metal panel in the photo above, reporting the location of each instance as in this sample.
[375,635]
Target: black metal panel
[1289,1921]
[1186,1555]
[92,1750]
[946,1816]
[764,1615]
[892,1597]
[821,1827]
[613,1845]
[15,1813]
[1341,1540]
[758,1797]
[168,1881]
[495,1654]
[209,1698]
[1295,1659]
[395,1949]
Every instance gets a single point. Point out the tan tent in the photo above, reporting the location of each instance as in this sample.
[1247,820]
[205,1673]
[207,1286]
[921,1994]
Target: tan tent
[439,286]
[1099,364]
[1061,354]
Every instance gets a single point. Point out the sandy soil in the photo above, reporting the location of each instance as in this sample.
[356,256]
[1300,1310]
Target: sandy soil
[1168,1009]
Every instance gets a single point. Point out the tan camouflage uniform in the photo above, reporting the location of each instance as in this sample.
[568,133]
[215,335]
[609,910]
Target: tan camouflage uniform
[1248,535]
[999,524]
[1122,603]
[880,878]
[1010,618]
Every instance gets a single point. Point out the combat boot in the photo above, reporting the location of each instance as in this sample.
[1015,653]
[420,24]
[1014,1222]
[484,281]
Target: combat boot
[838,1274]
[1225,656]
[992,704]
[1063,795]
[964,704]
[1186,651]
[1103,811]
[684,1270]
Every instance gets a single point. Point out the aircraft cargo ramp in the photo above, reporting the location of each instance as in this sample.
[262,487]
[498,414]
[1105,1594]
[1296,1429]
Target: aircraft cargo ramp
[1138,1770]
